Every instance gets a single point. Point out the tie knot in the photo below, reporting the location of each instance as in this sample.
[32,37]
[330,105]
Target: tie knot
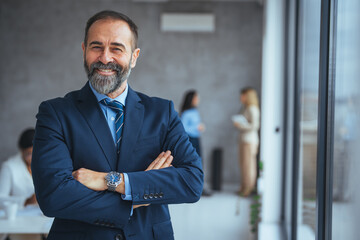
[115,105]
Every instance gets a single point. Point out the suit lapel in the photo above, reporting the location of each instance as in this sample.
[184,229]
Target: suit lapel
[90,109]
[134,115]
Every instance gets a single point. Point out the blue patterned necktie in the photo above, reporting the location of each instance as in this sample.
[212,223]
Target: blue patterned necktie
[119,119]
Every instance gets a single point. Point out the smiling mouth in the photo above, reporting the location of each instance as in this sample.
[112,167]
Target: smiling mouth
[105,71]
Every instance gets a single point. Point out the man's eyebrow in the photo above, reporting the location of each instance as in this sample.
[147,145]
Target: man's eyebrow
[95,43]
[118,44]
[113,43]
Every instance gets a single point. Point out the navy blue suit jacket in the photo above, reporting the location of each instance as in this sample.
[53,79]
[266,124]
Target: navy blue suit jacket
[72,133]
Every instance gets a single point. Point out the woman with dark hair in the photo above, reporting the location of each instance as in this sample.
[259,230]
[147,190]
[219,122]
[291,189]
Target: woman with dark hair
[191,120]
[15,174]
[190,117]
[16,183]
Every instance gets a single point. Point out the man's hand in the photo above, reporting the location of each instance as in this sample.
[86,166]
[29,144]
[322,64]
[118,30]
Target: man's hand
[96,180]
[91,179]
[141,205]
[164,160]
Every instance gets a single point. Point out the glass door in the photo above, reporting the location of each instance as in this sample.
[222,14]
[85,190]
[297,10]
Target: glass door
[346,163]
[308,75]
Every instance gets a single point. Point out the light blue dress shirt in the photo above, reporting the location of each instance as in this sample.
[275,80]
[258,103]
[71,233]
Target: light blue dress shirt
[191,120]
[110,118]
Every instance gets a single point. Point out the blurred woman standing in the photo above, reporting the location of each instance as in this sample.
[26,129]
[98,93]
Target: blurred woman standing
[191,120]
[248,122]
[190,117]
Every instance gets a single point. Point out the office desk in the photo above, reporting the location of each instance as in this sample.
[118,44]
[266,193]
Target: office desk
[29,220]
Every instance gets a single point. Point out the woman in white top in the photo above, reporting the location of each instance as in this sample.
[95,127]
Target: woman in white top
[248,139]
[15,175]
[16,180]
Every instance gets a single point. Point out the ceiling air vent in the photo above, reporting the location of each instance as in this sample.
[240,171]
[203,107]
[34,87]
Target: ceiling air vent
[187,22]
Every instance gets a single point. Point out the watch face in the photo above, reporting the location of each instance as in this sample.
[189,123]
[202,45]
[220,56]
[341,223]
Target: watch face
[113,178]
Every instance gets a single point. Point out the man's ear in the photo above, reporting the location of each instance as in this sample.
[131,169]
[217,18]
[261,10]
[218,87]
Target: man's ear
[135,55]
[83,47]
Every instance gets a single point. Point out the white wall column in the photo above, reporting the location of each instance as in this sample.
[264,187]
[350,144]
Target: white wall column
[272,126]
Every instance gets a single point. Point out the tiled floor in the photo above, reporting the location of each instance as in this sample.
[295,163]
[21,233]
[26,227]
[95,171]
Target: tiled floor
[222,216]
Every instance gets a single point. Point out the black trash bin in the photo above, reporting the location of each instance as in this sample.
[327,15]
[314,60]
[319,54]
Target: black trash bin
[216,169]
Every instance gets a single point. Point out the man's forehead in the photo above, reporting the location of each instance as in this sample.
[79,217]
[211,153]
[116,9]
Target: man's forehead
[110,28]
[113,24]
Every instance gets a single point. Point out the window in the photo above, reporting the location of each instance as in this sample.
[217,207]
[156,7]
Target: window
[346,165]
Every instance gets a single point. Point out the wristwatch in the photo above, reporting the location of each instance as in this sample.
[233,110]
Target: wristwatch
[113,179]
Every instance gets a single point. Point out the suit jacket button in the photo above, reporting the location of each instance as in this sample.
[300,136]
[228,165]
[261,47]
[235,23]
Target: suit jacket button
[146,196]
[119,237]
[151,195]
[161,194]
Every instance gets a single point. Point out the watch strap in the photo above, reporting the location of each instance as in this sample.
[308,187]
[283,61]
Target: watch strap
[112,187]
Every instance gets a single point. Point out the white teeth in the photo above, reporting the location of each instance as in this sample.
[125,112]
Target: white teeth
[105,70]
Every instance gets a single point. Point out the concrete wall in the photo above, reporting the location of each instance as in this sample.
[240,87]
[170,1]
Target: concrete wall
[41,58]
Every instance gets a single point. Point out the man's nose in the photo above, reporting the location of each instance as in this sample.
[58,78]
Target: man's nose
[105,57]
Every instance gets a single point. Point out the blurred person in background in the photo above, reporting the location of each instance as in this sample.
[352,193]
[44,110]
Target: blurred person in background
[190,118]
[16,183]
[248,124]
[15,174]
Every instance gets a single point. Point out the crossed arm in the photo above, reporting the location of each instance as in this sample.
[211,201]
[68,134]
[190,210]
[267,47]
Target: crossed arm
[96,180]
[65,194]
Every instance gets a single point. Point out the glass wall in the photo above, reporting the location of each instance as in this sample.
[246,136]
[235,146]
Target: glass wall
[308,76]
[339,168]
[346,165]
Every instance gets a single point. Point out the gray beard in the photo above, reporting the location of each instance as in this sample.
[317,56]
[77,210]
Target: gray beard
[107,84]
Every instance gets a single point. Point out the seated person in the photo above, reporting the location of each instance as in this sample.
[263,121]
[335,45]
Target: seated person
[16,180]
[15,174]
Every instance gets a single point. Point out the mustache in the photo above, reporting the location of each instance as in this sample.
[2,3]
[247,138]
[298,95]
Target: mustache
[111,65]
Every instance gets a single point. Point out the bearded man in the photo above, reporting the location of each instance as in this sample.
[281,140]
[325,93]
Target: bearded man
[107,160]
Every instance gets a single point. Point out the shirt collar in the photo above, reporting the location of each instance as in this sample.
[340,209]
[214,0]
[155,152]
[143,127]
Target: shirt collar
[121,98]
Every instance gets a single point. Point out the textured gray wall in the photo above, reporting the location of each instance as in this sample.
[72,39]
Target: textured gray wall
[41,58]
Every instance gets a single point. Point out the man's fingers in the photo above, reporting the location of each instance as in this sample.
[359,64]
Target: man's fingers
[162,160]
[75,174]
[141,205]
[80,173]
[167,162]
[151,166]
